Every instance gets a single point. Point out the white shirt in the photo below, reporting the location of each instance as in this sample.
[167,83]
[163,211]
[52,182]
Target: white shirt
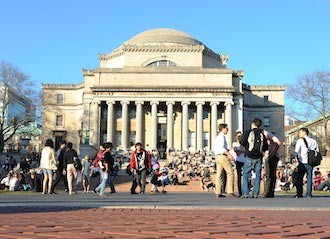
[220,144]
[239,158]
[5,181]
[272,141]
[301,149]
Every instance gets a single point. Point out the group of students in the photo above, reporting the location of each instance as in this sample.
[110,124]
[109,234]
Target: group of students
[248,152]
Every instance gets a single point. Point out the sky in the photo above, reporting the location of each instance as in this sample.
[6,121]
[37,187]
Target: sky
[272,41]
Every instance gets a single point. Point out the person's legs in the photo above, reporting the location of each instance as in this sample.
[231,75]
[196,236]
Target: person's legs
[101,187]
[257,165]
[70,175]
[134,184]
[301,173]
[267,179]
[309,170]
[143,180]
[110,182]
[50,181]
[246,175]
[230,175]
[45,181]
[218,180]
[273,167]
[239,167]
[57,180]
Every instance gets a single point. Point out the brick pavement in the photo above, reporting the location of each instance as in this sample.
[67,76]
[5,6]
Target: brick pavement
[61,222]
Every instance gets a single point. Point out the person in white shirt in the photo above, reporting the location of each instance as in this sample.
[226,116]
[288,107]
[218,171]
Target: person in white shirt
[223,162]
[238,153]
[5,182]
[303,167]
[271,160]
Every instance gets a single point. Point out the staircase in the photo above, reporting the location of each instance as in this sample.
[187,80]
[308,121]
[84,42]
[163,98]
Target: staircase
[325,165]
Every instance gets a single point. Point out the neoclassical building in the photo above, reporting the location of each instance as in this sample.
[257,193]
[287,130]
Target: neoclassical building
[163,88]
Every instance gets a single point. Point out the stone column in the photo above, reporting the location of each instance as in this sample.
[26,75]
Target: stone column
[94,137]
[199,130]
[228,121]
[111,121]
[214,122]
[125,130]
[154,123]
[170,124]
[139,117]
[185,125]
[240,114]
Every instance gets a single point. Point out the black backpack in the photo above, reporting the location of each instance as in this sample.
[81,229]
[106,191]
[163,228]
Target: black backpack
[314,157]
[257,143]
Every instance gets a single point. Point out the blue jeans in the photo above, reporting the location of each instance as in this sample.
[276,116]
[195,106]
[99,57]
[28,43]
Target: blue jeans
[302,169]
[103,183]
[256,166]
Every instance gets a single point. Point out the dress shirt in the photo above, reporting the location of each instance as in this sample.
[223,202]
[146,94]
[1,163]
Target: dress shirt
[301,149]
[220,144]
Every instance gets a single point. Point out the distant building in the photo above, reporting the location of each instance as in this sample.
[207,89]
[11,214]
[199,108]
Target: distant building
[14,109]
[163,88]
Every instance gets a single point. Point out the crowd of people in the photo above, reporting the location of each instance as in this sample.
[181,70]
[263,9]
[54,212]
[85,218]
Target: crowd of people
[253,155]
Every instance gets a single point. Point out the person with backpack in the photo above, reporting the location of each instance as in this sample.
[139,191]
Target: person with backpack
[59,173]
[255,144]
[140,163]
[303,145]
[271,160]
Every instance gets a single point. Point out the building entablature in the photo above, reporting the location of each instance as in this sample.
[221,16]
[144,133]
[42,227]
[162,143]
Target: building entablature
[264,87]
[63,86]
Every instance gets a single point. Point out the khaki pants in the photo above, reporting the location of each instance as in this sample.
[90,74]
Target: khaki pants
[71,174]
[223,163]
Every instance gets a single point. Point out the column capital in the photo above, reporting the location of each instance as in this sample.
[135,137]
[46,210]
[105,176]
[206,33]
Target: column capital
[170,103]
[229,103]
[185,103]
[96,102]
[154,102]
[139,102]
[214,103]
[200,103]
[111,102]
[124,102]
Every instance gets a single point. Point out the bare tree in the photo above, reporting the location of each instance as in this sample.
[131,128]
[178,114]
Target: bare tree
[312,92]
[17,93]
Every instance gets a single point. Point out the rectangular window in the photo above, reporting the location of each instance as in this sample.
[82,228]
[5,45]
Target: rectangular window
[59,120]
[266,99]
[59,98]
[266,122]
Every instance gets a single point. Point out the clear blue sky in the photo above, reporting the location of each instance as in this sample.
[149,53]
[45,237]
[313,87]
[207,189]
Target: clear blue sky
[272,41]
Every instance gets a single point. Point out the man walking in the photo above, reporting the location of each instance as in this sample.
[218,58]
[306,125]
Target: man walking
[223,162]
[140,164]
[271,160]
[303,144]
[255,144]
[59,172]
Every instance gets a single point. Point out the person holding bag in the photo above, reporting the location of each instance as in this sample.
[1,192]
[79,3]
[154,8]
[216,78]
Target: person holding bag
[70,157]
[48,165]
[304,144]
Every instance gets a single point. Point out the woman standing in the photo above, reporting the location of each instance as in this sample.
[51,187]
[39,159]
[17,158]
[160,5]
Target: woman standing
[238,154]
[68,164]
[48,165]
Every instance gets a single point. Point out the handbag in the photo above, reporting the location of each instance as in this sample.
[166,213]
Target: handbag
[77,163]
[314,157]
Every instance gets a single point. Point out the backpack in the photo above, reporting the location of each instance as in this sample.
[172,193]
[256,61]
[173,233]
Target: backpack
[314,157]
[257,143]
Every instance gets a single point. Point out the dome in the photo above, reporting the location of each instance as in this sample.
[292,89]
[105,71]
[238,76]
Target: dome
[163,35]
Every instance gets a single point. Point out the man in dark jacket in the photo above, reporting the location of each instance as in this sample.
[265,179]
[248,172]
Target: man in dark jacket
[255,144]
[59,173]
[140,164]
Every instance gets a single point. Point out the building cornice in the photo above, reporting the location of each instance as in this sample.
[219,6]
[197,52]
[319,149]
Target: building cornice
[264,87]
[164,70]
[63,86]
[163,89]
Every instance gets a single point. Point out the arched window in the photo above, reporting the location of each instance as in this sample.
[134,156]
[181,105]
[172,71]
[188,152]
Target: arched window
[162,63]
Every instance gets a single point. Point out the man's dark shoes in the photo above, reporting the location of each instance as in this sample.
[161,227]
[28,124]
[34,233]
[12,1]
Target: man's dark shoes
[220,196]
[297,196]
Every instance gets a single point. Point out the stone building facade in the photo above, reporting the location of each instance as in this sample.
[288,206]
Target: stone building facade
[163,88]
